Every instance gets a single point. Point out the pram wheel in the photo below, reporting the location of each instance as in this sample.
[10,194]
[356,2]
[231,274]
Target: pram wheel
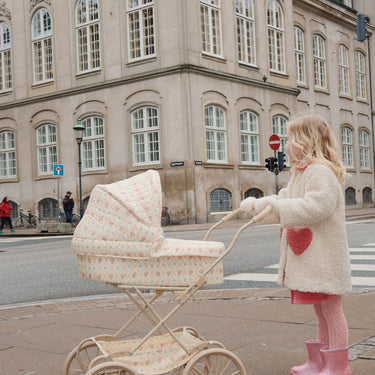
[215,362]
[112,368]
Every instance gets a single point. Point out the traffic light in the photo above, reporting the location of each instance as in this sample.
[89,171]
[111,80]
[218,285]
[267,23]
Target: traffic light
[282,160]
[271,164]
[361,26]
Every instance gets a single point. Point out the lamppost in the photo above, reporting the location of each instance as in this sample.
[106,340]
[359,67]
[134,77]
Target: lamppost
[79,129]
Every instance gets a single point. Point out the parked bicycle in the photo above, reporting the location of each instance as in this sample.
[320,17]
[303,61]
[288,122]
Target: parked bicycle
[25,221]
[165,217]
[75,218]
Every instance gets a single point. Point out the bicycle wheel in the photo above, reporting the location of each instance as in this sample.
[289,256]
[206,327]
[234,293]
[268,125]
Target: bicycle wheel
[21,222]
[165,219]
[34,221]
[62,217]
[75,220]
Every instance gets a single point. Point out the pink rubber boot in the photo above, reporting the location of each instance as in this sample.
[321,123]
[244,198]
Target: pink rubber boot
[314,364]
[335,361]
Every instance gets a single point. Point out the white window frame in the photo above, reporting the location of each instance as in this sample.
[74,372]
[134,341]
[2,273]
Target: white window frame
[360,75]
[88,27]
[6,76]
[276,43]
[364,149]
[279,128]
[46,148]
[347,146]
[42,46]
[319,62]
[344,87]
[211,34]
[300,57]
[8,161]
[245,24]
[93,143]
[145,135]
[249,130]
[141,38]
[216,134]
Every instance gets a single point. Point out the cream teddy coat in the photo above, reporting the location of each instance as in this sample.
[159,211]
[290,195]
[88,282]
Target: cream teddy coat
[314,250]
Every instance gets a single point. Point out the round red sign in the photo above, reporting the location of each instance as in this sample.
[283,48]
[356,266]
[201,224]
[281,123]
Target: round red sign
[274,141]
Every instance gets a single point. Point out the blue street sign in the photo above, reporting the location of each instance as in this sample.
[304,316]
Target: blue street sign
[58,170]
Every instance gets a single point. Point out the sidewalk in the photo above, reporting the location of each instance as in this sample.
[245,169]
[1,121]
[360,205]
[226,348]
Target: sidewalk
[259,325]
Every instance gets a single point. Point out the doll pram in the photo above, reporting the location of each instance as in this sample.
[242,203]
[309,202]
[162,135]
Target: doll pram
[120,241]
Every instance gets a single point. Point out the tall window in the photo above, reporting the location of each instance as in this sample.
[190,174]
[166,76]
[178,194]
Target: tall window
[347,146]
[145,135]
[216,134]
[279,128]
[41,31]
[319,57]
[46,144]
[299,48]
[364,149]
[87,33]
[249,137]
[367,195]
[344,70]
[275,22]
[350,196]
[5,58]
[360,75]
[211,26]
[245,31]
[220,200]
[141,29]
[7,155]
[93,150]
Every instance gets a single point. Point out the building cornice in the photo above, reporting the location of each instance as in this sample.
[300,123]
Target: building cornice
[178,69]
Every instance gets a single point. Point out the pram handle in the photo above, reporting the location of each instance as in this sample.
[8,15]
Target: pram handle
[262,214]
[231,215]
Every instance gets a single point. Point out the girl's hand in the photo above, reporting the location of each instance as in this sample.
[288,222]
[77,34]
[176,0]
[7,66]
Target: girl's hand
[261,203]
[248,205]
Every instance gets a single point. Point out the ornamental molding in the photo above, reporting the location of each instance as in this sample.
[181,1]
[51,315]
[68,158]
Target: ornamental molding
[33,3]
[4,11]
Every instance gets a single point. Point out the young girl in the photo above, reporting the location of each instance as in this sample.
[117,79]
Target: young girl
[314,260]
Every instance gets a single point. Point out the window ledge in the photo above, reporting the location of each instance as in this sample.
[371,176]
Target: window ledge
[279,74]
[89,73]
[214,57]
[346,96]
[46,176]
[36,85]
[136,168]
[90,172]
[251,166]
[366,171]
[6,92]
[248,66]
[363,100]
[140,61]
[218,165]
[323,91]
[5,180]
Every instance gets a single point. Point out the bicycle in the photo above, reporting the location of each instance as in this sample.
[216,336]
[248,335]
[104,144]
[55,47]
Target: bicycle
[165,217]
[29,220]
[74,221]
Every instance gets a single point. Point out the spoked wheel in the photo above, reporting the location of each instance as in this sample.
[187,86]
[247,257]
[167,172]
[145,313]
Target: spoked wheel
[215,362]
[34,221]
[21,223]
[112,368]
[77,362]
[75,220]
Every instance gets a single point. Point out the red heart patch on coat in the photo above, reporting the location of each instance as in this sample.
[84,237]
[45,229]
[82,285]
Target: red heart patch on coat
[299,240]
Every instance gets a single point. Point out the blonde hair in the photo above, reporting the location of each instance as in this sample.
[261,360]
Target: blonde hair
[314,137]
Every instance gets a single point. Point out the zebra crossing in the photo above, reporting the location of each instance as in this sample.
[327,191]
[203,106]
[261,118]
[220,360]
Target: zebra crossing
[362,263]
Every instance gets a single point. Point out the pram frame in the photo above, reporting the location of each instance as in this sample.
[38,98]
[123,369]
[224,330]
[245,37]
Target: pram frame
[156,320]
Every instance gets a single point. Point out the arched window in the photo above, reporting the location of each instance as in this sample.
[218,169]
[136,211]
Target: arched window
[344,87]
[350,197]
[364,149]
[5,58]
[141,29]
[145,135]
[347,146]
[279,128]
[211,26]
[48,209]
[93,149]
[275,23]
[367,195]
[254,192]
[41,32]
[299,48]
[14,212]
[220,200]
[7,155]
[249,137]
[216,134]
[245,22]
[360,75]
[319,59]
[88,35]
[46,145]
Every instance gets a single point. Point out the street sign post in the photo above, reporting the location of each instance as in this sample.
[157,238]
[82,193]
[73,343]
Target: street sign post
[58,171]
[274,143]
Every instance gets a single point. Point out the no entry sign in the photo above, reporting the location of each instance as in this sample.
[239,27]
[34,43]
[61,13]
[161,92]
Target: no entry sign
[274,141]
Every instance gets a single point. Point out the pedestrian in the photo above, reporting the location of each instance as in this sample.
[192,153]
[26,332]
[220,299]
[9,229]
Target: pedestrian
[68,204]
[5,210]
[314,256]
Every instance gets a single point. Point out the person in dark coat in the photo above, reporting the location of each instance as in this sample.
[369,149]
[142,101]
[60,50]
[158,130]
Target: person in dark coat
[5,210]
[68,204]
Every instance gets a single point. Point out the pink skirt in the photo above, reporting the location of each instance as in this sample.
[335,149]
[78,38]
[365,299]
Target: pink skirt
[307,298]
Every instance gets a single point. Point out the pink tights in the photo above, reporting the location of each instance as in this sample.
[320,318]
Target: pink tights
[332,326]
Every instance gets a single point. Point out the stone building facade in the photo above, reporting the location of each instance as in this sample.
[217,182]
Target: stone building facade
[192,89]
